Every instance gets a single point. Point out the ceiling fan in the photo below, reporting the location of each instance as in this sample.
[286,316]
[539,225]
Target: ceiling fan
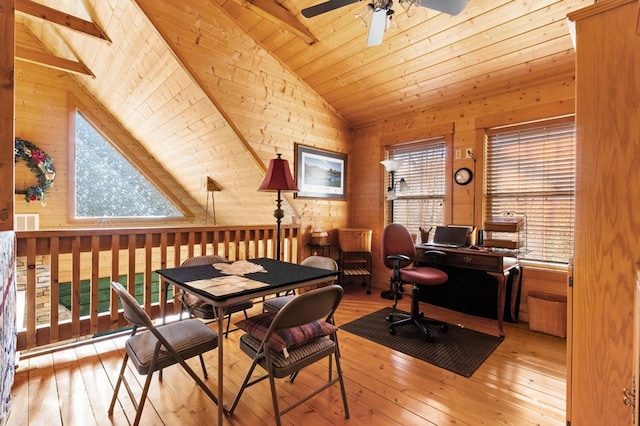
[379,13]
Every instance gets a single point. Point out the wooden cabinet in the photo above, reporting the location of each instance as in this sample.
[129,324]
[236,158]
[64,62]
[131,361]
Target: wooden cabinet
[355,255]
[356,264]
[607,228]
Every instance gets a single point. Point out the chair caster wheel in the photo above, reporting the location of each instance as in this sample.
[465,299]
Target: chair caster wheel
[368,291]
[389,318]
[392,331]
[444,328]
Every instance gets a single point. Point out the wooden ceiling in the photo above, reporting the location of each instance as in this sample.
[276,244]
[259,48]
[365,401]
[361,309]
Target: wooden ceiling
[178,75]
[430,61]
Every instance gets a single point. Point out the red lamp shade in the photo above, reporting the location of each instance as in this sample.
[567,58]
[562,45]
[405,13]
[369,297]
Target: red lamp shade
[278,177]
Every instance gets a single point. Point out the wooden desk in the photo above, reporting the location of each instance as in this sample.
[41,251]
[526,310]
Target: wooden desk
[496,263]
[279,277]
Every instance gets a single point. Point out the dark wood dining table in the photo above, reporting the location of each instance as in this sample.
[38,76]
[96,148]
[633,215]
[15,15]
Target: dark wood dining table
[277,277]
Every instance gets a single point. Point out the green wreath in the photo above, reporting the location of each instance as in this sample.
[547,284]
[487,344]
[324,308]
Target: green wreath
[40,164]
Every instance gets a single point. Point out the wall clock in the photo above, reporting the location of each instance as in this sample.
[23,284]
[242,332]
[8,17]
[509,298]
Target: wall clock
[463,176]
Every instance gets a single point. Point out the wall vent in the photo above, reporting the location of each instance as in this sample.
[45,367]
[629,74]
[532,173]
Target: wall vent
[27,222]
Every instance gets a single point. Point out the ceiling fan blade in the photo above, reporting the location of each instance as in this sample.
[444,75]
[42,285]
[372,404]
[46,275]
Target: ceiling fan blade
[452,7]
[377,27]
[327,6]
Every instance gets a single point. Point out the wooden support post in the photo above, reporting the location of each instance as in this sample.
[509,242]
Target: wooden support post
[7,117]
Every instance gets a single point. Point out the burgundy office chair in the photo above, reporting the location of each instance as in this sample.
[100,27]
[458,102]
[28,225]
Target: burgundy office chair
[398,252]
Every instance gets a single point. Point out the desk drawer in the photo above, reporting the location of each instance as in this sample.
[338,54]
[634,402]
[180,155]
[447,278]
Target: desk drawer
[485,263]
[463,260]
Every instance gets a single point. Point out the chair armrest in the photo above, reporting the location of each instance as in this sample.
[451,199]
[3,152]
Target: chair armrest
[398,257]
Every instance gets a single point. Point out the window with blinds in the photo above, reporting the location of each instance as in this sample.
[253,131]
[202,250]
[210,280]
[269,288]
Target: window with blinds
[421,204]
[530,170]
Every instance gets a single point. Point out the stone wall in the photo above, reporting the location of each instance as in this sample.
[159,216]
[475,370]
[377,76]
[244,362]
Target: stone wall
[43,290]
[8,328]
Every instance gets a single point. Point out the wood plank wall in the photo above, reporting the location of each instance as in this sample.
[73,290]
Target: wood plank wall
[270,111]
[45,105]
[268,124]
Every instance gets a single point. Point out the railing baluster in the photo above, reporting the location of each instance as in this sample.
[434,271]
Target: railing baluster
[148,267]
[176,249]
[75,286]
[131,273]
[30,299]
[95,283]
[115,275]
[54,290]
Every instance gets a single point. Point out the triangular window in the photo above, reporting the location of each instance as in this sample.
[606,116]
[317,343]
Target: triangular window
[107,185]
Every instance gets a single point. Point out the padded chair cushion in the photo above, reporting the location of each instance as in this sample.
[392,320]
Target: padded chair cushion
[276,303]
[257,327]
[189,338]
[422,276]
[194,301]
[204,310]
[318,347]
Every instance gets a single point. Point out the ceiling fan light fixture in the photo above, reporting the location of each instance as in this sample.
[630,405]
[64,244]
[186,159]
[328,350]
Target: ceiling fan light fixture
[381,4]
[378,14]
[410,6]
[365,14]
[391,24]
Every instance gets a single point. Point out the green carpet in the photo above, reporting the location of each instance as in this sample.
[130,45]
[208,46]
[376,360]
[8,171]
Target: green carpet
[104,292]
[459,350]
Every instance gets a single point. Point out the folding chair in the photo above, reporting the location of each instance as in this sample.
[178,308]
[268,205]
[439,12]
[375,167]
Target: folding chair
[159,347]
[298,335]
[196,307]
[276,303]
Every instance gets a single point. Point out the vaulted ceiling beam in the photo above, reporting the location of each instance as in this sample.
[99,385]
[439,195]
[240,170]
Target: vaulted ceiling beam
[277,14]
[54,16]
[55,62]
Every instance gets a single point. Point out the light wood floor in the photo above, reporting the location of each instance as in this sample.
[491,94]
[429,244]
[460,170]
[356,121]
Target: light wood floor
[522,383]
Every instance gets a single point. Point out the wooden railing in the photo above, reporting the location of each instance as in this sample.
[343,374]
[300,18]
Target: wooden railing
[87,260]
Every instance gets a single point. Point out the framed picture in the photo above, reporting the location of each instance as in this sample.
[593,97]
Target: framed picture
[320,174]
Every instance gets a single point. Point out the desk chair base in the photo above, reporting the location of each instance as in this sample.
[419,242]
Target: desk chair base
[415,317]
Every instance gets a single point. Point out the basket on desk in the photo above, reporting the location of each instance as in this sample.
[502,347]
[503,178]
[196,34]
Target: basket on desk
[547,313]
[354,239]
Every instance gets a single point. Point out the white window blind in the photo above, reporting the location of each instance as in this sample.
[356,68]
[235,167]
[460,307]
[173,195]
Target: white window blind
[423,168]
[530,169]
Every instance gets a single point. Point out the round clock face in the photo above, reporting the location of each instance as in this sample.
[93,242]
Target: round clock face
[463,176]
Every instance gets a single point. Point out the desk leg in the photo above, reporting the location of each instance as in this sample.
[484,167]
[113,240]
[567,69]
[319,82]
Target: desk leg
[515,288]
[501,278]
[220,315]
[165,292]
